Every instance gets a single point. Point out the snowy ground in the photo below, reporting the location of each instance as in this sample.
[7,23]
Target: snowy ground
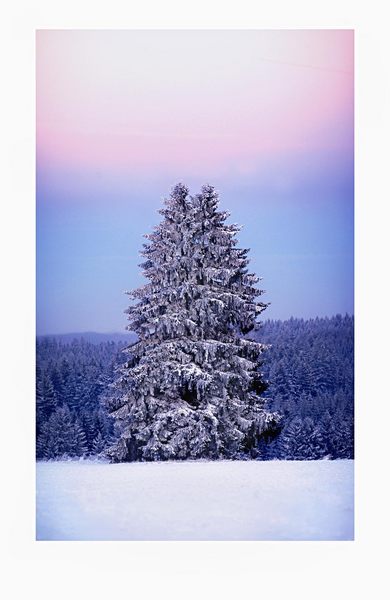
[224,500]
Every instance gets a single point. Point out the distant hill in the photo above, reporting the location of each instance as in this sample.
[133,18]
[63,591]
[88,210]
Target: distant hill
[92,336]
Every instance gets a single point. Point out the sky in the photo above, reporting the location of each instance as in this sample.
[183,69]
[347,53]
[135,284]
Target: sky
[266,116]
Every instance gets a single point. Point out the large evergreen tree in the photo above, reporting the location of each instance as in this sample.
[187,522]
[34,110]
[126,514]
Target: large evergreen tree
[191,386]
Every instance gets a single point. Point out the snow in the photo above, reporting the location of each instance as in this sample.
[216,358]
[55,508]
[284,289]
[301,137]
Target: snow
[195,500]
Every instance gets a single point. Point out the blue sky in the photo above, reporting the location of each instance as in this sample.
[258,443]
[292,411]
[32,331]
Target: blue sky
[300,235]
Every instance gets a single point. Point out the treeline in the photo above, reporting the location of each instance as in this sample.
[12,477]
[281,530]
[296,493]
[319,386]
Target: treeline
[310,369]
[309,366]
[71,382]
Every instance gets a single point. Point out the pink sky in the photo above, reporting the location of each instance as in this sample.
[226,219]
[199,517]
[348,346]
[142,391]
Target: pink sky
[162,100]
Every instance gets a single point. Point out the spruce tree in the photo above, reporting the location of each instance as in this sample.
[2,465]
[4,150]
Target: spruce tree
[291,441]
[46,398]
[61,436]
[191,385]
[98,444]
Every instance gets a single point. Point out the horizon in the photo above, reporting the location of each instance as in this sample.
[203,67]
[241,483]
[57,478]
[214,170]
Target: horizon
[129,333]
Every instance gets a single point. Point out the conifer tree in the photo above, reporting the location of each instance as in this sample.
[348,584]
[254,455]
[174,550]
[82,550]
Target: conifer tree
[46,398]
[291,440]
[98,444]
[191,386]
[61,436]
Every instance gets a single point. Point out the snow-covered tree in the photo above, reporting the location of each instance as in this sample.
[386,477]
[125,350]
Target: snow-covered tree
[61,436]
[300,439]
[46,398]
[191,386]
[98,444]
[291,440]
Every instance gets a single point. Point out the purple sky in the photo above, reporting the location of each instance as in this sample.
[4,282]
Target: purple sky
[265,116]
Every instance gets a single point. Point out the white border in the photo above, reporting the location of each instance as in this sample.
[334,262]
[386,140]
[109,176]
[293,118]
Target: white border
[190,569]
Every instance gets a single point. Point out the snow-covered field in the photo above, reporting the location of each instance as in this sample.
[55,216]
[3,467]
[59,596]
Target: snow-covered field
[276,500]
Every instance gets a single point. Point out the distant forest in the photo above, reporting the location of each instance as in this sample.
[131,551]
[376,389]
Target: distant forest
[308,365]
